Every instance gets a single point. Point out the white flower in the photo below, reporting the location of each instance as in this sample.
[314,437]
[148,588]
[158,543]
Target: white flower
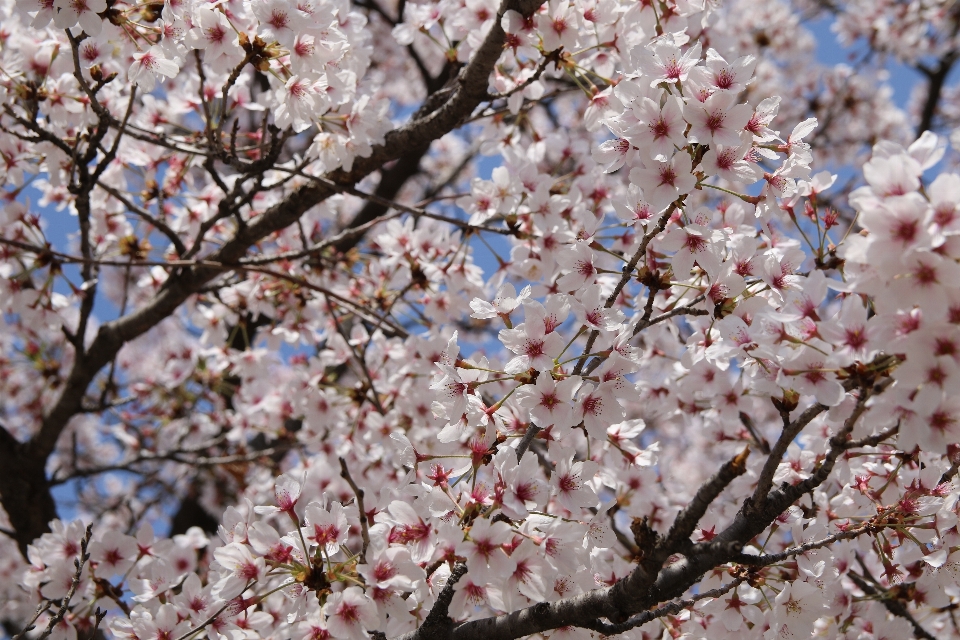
[83,11]
[549,401]
[328,529]
[300,103]
[486,559]
[114,553]
[797,607]
[350,613]
[578,261]
[148,65]
[569,483]
[243,567]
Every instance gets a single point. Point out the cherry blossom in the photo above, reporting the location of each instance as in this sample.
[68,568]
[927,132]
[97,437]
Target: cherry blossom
[574,318]
[349,613]
[148,65]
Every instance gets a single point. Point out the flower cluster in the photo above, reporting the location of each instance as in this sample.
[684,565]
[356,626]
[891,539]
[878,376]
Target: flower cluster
[385,385]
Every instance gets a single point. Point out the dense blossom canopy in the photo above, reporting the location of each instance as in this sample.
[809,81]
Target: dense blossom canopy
[477,319]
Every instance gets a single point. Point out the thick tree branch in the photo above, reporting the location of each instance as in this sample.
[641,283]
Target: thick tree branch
[936,79]
[686,521]
[438,623]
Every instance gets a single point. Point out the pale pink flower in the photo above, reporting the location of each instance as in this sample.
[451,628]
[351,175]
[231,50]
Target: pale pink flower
[114,553]
[578,261]
[664,182]
[692,243]
[148,65]
[569,483]
[663,61]
[796,608]
[483,550]
[558,26]
[287,492]
[661,128]
[720,75]
[243,568]
[718,120]
[70,12]
[278,20]
[549,401]
[327,528]
[300,103]
[533,345]
[598,408]
[523,487]
[350,614]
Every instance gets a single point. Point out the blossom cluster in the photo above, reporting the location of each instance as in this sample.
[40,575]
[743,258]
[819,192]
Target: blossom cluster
[508,393]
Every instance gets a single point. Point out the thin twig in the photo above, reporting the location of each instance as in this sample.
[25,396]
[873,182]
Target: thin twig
[357,491]
[892,605]
[667,610]
[78,562]
[342,188]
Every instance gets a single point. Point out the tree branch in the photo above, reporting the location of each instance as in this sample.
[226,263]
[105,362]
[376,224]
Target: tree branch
[358,492]
[892,605]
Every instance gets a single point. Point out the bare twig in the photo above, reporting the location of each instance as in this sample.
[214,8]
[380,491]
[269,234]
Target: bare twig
[667,610]
[358,492]
[686,521]
[79,563]
[894,606]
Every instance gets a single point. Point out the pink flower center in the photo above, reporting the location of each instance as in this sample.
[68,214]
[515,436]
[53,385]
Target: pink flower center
[533,348]
[695,243]
[667,176]
[569,483]
[659,128]
[715,121]
[592,405]
[549,400]
[384,571]
[278,19]
[215,34]
[349,613]
[724,79]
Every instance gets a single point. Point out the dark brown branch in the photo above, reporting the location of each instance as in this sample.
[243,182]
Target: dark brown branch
[894,606]
[936,79]
[146,216]
[773,558]
[438,624]
[686,310]
[384,204]
[626,274]
[78,563]
[391,181]
[686,521]
[750,426]
[789,433]
[667,610]
[647,586]
[178,457]
[874,440]
[358,492]
[528,436]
